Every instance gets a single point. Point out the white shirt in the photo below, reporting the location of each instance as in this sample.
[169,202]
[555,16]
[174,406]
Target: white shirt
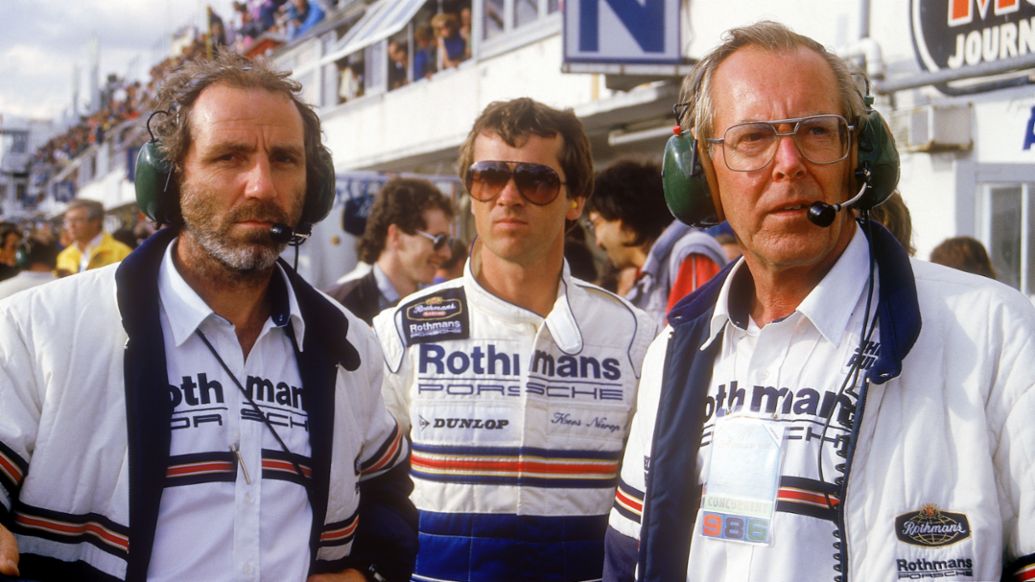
[84,257]
[229,515]
[760,373]
[389,296]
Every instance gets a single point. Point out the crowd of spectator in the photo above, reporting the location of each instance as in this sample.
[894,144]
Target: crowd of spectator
[122,99]
[441,41]
[283,20]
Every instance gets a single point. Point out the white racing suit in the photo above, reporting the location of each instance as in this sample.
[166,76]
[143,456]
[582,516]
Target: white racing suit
[517,423]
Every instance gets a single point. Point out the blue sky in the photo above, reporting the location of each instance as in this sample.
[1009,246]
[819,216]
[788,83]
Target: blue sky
[42,40]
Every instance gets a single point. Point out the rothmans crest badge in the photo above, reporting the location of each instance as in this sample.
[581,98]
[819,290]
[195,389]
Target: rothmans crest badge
[433,308]
[441,316]
[932,527]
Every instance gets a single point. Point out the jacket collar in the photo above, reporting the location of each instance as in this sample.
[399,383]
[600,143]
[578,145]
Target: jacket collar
[898,308]
[147,406]
[561,321]
[828,306]
[187,310]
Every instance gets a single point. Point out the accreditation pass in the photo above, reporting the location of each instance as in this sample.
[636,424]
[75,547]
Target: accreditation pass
[743,478]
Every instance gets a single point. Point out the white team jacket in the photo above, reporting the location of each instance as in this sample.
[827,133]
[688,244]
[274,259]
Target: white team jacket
[65,462]
[950,443]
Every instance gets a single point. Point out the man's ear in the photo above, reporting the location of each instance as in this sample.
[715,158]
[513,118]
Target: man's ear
[575,206]
[392,236]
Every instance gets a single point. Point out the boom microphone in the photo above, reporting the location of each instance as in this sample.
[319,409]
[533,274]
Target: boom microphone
[284,234]
[822,214]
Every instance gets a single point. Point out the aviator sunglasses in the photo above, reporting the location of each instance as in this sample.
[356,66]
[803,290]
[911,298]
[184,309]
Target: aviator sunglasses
[536,183]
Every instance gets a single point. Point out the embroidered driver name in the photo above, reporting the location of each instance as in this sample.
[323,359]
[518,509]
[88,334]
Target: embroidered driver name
[931,527]
[437,317]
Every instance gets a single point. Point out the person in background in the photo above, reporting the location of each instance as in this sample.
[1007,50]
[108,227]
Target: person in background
[406,240]
[618,281]
[894,215]
[517,380]
[632,224]
[90,246]
[45,231]
[351,84]
[198,411]
[125,235]
[451,45]
[303,16]
[465,30]
[964,253]
[424,57]
[454,267]
[10,239]
[38,258]
[398,60]
[581,262]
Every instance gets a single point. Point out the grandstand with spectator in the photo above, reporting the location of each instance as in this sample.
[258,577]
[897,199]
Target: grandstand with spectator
[522,48]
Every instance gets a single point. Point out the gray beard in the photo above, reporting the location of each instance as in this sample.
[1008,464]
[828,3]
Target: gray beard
[258,257]
[209,227]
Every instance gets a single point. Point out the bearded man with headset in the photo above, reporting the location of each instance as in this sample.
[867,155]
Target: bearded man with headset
[826,408]
[199,412]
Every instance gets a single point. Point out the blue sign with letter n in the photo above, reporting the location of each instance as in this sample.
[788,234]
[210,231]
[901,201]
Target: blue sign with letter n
[622,31]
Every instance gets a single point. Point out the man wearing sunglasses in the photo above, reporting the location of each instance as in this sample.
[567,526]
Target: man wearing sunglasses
[827,409]
[406,240]
[516,380]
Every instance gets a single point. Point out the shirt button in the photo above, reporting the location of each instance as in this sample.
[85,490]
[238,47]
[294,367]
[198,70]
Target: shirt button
[249,568]
[249,498]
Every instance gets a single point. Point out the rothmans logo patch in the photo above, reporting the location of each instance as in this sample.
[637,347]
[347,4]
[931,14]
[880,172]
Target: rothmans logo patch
[442,316]
[932,527]
[434,308]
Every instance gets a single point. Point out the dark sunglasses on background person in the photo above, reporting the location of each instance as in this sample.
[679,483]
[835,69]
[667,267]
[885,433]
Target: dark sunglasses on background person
[437,240]
[538,184]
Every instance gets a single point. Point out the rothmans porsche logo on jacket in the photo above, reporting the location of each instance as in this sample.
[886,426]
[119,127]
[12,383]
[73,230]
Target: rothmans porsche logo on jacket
[932,527]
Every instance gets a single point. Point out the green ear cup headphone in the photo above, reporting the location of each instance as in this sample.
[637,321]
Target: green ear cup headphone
[876,159]
[692,195]
[158,193]
[688,188]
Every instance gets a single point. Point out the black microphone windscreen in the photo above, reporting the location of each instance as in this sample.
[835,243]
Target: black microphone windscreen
[822,214]
[281,233]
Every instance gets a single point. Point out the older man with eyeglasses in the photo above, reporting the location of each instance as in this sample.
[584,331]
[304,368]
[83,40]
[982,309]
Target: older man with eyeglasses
[91,246]
[826,409]
[517,380]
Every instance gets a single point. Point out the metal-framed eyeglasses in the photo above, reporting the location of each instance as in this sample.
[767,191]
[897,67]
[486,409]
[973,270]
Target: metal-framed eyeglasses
[820,139]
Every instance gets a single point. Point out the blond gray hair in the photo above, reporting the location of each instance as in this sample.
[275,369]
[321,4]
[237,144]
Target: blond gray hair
[768,36]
